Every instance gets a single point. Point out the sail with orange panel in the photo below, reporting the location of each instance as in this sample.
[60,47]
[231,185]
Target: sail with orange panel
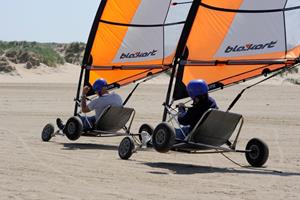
[131,40]
[225,42]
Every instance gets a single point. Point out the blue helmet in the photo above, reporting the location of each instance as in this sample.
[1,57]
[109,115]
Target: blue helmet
[196,88]
[99,84]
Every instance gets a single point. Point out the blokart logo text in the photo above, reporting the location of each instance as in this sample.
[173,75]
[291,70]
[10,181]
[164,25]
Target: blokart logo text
[250,47]
[138,54]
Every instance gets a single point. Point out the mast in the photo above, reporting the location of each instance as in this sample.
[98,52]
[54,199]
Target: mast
[180,48]
[86,58]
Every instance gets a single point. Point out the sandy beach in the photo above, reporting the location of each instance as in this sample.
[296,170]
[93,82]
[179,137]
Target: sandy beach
[90,167]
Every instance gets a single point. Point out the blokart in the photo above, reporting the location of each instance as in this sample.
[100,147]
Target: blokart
[214,131]
[114,121]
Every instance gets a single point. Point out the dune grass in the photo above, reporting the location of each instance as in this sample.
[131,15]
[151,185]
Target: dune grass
[43,51]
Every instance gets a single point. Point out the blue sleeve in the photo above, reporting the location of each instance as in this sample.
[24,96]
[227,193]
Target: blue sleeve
[184,119]
[213,103]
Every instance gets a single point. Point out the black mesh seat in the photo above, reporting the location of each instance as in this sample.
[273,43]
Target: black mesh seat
[114,118]
[215,127]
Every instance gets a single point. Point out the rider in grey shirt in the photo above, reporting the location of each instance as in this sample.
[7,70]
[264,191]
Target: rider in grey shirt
[103,100]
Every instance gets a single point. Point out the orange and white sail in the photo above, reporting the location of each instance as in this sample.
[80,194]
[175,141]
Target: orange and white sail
[132,39]
[232,41]
[222,42]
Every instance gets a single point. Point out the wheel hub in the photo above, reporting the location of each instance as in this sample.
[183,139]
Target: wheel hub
[47,130]
[160,137]
[254,153]
[71,128]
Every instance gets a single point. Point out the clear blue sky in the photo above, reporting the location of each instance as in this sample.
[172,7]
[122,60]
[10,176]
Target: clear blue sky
[47,20]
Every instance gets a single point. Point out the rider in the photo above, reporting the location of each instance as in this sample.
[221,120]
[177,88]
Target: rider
[198,91]
[103,100]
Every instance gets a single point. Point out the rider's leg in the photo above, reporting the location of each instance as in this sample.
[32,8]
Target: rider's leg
[182,133]
[88,122]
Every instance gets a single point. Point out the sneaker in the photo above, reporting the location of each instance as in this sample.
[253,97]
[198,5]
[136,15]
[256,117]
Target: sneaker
[146,139]
[60,124]
[149,143]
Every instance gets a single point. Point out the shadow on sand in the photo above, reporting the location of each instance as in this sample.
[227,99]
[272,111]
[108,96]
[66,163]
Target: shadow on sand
[86,146]
[186,169]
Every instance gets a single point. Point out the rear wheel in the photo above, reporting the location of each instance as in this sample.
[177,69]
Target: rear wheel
[47,132]
[257,152]
[126,148]
[163,137]
[73,128]
[149,130]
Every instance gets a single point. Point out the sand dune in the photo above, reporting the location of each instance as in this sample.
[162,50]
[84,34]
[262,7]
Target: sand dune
[67,73]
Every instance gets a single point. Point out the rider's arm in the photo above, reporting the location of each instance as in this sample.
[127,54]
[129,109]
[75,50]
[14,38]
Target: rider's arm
[184,118]
[84,107]
[181,112]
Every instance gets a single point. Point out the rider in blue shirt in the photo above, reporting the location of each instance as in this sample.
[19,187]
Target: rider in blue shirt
[198,91]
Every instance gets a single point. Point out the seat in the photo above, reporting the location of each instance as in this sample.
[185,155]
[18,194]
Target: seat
[114,118]
[215,127]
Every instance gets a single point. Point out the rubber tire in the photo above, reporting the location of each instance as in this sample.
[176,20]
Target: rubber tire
[47,132]
[163,137]
[73,128]
[147,128]
[260,153]
[126,148]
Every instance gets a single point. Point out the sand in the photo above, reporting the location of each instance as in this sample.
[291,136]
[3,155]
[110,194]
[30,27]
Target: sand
[90,168]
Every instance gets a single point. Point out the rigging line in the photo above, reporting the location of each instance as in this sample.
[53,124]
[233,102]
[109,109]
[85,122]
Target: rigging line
[141,25]
[130,94]
[250,86]
[285,27]
[136,86]
[141,73]
[231,160]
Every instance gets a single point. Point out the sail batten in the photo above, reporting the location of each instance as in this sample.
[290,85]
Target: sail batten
[249,10]
[131,67]
[141,25]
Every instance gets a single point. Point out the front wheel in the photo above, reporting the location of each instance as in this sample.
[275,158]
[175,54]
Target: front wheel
[126,148]
[47,132]
[73,128]
[257,152]
[163,137]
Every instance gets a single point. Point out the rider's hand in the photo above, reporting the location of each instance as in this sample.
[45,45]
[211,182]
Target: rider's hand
[181,107]
[85,90]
